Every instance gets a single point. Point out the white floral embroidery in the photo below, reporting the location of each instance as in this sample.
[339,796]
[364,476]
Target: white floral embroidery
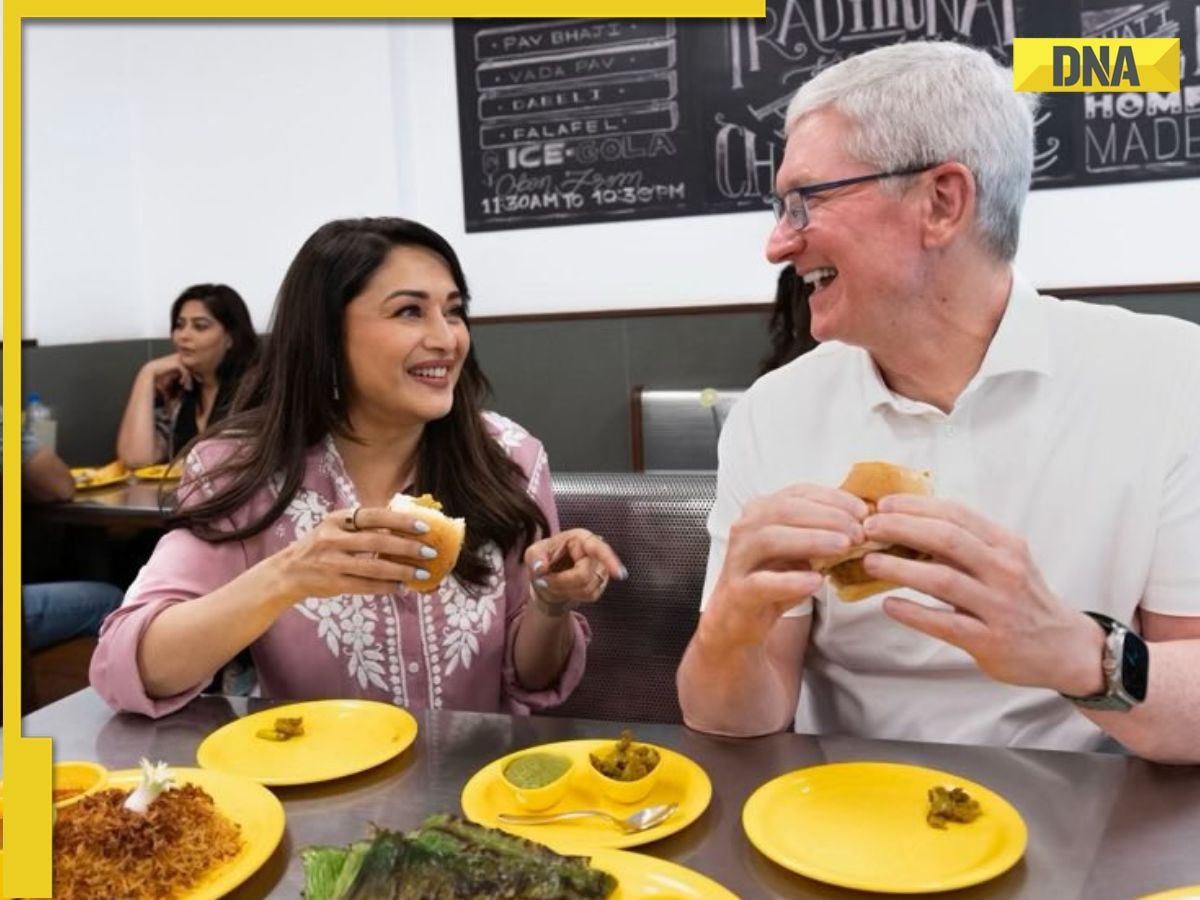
[306,511]
[428,630]
[540,465]
[509,434]
[347,625]
[331,464]
[470,614]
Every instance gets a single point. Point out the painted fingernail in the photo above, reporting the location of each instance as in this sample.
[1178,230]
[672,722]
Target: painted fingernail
[428,552]
[420,574]
[420,527]
[538,565]
[540,583]
[623,574]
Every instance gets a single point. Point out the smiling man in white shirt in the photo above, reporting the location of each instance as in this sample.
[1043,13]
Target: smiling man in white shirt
[1062,599]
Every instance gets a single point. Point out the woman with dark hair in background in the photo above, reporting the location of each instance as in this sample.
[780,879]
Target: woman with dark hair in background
[368,386]
[175,397]
[790,322]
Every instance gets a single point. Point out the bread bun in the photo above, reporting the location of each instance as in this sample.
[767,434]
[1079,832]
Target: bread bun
[872,481]
[445,536]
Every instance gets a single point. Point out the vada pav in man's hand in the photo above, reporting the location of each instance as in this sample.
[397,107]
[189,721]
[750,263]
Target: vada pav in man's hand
[1059,604]
[872,481]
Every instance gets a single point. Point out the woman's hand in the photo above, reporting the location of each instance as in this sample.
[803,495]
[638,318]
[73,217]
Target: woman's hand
[572,567]
[169,375]
[365,550]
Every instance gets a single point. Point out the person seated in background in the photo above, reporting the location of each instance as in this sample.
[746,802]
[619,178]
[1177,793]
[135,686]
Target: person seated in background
[789,326]
[369,386]
[53,612]
[1054,600]
[175,397]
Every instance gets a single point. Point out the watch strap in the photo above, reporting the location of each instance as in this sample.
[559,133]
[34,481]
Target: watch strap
[1115,697]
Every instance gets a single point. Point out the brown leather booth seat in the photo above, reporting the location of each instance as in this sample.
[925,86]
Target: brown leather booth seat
[656,524]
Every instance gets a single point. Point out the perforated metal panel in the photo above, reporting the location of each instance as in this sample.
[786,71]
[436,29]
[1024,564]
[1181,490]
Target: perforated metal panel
[656,524]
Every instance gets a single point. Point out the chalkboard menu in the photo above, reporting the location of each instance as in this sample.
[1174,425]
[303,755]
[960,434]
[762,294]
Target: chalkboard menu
[591,120]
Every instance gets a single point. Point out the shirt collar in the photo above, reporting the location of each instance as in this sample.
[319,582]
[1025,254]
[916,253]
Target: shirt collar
[1021,344]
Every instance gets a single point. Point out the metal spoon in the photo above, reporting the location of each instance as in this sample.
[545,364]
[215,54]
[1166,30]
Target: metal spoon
[631,824]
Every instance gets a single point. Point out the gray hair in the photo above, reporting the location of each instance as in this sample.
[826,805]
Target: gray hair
[927,102]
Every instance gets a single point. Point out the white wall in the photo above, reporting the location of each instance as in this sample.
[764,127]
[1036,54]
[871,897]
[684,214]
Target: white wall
[162,155]
[158,155]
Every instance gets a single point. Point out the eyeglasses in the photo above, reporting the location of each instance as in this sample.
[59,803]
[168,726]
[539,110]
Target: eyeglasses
[793,204]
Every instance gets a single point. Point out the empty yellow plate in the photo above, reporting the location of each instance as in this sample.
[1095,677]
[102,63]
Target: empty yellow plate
[340,737]
[255,809]
[682,781]
[641,876]
[862,825]
[1181,893]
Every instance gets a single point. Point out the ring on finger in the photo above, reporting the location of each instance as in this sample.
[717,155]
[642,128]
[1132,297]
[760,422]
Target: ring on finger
[352,519]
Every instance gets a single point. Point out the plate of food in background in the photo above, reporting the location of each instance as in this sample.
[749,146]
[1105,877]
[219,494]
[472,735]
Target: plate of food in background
[209,833]
[163,472]
[588,774]
[99,476]
[302,743]
[885,827]
[446,856]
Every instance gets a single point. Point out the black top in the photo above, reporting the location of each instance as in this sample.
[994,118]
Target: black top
[182,428]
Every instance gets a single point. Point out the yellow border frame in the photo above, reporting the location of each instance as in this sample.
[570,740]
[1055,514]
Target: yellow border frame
[26,859]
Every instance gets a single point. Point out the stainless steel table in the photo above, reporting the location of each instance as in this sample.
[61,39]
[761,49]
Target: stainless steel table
[1100,826]
[129,504]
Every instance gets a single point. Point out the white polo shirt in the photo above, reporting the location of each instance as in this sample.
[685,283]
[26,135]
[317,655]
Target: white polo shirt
[1080,432]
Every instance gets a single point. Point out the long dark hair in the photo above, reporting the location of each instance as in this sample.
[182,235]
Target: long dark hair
[791,321]
[226,306]
[287,404]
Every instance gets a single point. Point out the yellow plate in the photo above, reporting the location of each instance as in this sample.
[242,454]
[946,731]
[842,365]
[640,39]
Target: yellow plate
[157,473]
[92,477]
[862,825]
[681,781]
[340,737]
[1180,893]
[641,876]
[253,807]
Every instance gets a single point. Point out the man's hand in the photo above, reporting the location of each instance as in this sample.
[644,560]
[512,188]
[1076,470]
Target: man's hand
[1004,615]
[766,568]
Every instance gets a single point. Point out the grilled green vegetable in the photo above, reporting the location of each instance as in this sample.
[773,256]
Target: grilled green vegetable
[449,859]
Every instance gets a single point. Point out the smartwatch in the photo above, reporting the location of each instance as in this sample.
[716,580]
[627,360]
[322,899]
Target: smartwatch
[1126,666]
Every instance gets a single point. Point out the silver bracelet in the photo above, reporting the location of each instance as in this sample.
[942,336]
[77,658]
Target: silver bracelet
[554,609]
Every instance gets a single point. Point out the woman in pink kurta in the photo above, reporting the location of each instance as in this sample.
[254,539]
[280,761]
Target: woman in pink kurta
[312,579]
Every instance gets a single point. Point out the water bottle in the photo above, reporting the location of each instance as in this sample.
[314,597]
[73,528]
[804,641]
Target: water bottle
[41,421]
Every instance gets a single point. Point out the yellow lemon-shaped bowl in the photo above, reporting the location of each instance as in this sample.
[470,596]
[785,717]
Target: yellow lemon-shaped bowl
[537,779]
[620,791]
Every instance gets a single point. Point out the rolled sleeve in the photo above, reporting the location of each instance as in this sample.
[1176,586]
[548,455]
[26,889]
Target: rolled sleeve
[517,699]
[520,700]
[181,568]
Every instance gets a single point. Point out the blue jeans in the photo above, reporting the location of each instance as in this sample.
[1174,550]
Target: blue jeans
[58,611]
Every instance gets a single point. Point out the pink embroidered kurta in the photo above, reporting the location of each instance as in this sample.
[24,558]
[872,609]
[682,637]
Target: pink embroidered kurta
[450,648]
